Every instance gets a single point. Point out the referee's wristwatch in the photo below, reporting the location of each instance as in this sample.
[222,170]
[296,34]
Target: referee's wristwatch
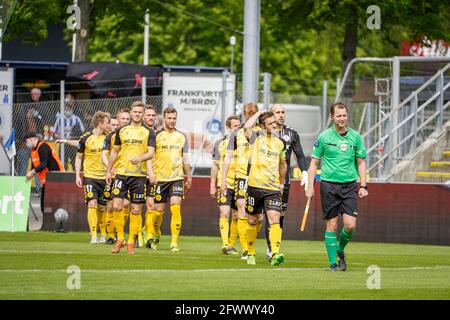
[364,187]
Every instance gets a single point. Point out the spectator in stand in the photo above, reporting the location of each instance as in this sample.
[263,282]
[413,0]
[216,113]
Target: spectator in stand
[35,95]
[73,126]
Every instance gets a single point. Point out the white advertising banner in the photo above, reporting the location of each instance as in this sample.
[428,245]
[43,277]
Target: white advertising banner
[6,102]
[6,97]
[197,97]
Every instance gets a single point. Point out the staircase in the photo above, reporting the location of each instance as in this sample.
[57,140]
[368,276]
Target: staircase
[438,171]
[406,144]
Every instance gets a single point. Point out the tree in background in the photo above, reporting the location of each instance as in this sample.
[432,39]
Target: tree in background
[302,41]
[347,20]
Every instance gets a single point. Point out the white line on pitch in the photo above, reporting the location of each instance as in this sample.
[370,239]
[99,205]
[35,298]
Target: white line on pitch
[206,270]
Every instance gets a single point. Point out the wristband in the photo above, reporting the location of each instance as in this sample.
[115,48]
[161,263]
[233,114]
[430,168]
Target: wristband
[364,187]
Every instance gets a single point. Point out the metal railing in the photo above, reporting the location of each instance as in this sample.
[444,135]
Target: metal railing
[408,125]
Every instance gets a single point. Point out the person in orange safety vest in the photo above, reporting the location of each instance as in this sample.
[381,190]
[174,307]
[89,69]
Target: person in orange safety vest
[43,160]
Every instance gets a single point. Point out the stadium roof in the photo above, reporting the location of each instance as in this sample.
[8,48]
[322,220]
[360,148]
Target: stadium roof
[34,64]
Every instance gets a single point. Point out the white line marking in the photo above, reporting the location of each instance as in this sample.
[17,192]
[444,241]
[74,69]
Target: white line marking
[207,270]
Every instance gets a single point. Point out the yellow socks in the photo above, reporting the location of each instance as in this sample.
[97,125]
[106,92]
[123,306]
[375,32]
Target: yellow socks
[125,214]
[149,225]
[224,228]
[157,222]
[92,221]
[135,222]
[233,232]
[140,235]
[119,224]
[242,230]
[251,238]
[175,224]
[110,224]
[275,237]
[101,219]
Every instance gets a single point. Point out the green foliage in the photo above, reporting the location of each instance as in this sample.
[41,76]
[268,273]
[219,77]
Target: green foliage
[301,40]
[30,19]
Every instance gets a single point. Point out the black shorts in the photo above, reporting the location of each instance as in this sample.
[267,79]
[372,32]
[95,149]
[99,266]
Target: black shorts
[149,189]
[134,185]
[338,198]
[94,190]
[107,192]
[166,189]
[227,200]
[240,188]
[262,199]
[285,197]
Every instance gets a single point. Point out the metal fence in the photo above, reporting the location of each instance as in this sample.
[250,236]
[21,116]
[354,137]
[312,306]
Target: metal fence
[46,118]
[396,104]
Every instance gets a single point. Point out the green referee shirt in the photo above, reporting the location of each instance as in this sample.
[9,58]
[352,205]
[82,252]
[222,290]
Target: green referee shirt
[338,154]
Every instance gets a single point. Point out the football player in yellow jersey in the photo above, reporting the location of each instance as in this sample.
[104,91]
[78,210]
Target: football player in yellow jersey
[122,119]
[226,203]
[149,121]
[293,147]
[238,142]
[89,151]
[266,179]
[171,159]
[137,146]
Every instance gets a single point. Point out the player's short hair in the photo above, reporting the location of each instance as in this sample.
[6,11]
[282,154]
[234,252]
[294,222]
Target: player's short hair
[263,116]
[108,115]
[169,110]
[339,105]
[150,107]
[123,110]
[137,104]
[98,118]
[276,105]
[251,107]
[231,118]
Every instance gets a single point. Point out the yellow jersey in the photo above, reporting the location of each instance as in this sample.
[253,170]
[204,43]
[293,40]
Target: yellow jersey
[108,144]
[219,152]
[168,160]
[266,151]
[238,142]
[133,141]
[91,146]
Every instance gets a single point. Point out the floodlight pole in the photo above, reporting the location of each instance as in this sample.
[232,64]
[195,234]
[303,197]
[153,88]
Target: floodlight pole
[74,35]
[232,44]
[146,36]
[1,31]
[324,103]
[250,67]
[146,53]
[267,85]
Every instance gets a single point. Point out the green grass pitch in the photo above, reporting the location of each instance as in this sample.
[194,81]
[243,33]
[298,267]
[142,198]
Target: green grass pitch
[34,266]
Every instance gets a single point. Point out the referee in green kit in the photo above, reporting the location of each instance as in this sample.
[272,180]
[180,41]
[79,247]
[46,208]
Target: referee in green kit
[343,154]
